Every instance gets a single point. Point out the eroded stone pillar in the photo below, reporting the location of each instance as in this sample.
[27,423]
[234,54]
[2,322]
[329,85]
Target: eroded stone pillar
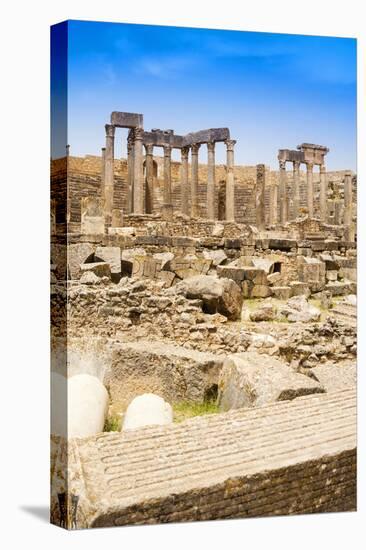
[167,206]
[130,171]
[283,192]
[211,180]
[296,189]
[259,196]
[310,188]
[348,208]
[149,167]
[338,211]
[323,194]
[230,183]
[184,180]
[138,184]
[273,200]
[194,180]
[102,173]
[109,173]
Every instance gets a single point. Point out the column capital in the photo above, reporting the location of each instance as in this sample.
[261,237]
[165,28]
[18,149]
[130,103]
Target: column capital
[195,148]
[282,165]
[322,168]
[138,134]
[230,143]
[211,146]
[110,130]
[149,148]
[296,165]
[309,166]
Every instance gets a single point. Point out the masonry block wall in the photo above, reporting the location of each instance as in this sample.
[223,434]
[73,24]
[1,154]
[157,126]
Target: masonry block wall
[84,179]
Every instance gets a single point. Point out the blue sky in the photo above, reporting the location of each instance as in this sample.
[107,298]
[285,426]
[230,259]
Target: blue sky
[272,90]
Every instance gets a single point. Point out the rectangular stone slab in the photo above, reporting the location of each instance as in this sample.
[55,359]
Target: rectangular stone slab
[288,458]
[127,120]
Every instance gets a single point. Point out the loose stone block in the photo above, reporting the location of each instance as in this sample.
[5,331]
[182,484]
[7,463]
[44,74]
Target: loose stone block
[218,295]
[251,379]
[273,278]
[297,309]
[92,216]
[145,266]
[111,255]
[336,377]
[77,254]
[281,292]
[237,274]
[147,410]
[260,291]
[298,288]
[223,477]
[218,230]
[216,256]
[100,269]
[331,275]
[174,372]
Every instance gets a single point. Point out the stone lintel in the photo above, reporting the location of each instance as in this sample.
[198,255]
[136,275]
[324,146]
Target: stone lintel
[204,136]
[290,155]
[160,138]
[127,120]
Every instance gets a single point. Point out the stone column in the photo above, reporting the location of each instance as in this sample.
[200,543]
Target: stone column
[259,196]
[184,180]
[194,180]
[323,194]
[338,211]
[296,189]
[109,173]
[348,208]
[149,167]
[211,180]
[138,183]
[230,184]
[310,188]
[167,206]
[273,200]
[102,172]
[283,192]
[130,170]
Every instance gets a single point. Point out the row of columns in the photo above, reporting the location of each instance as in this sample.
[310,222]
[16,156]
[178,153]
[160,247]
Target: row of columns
[136,200]
[284,203]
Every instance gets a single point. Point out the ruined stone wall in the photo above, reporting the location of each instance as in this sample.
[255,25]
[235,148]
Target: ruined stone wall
[85,180]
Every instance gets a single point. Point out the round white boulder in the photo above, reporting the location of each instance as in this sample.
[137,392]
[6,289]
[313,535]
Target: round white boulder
[147,410]
[87,405]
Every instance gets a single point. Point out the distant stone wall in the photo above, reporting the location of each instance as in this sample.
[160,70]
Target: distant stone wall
[84,177]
